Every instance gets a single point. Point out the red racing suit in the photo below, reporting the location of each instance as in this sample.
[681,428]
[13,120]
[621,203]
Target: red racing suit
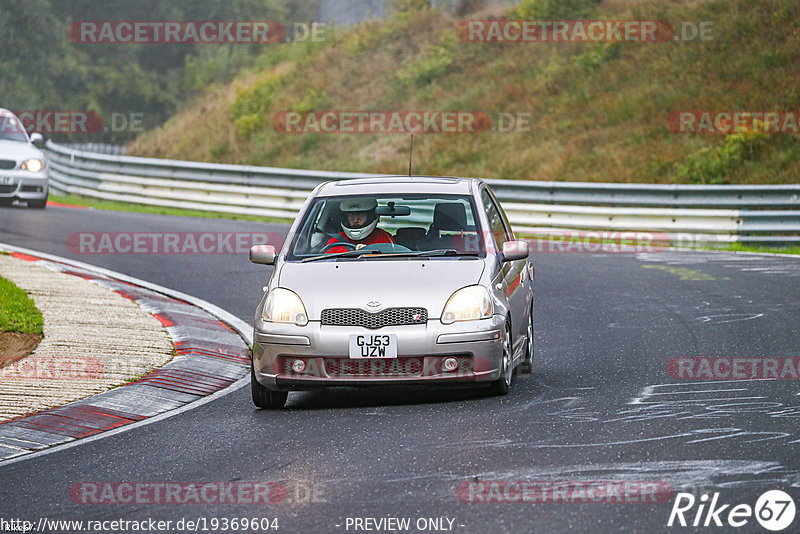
[377,236]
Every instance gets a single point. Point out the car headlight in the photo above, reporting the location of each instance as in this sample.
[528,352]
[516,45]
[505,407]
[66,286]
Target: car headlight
[467,304]
[33,165]
[284,306]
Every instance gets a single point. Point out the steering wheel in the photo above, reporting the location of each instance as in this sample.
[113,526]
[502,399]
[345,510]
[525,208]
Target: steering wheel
[345,244]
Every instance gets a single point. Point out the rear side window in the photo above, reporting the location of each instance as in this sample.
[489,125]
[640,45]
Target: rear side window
[496,225]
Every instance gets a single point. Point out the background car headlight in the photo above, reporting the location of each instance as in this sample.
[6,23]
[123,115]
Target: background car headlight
[33,165]
[467,304]
[284,306]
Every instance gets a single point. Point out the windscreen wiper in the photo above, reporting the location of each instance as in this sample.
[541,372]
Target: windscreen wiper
[388,255]
[437,252]
[348,254]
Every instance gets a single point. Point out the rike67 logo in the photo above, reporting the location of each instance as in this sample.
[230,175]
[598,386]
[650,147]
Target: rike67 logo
[774,510]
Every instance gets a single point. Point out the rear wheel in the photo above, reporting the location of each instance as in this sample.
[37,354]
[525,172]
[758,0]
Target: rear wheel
[503,384]
[263,397]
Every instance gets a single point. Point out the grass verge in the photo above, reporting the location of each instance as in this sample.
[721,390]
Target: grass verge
[740,247]
[113,205]
[18,313]
[591,244]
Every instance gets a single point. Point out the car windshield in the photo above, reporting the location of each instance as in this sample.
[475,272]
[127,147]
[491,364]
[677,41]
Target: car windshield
[423,226]
[11,129]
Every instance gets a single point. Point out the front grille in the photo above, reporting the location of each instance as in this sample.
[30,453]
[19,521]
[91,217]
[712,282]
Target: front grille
[32,189]
[7,164]
[388,317]
[8,188]
[375,368]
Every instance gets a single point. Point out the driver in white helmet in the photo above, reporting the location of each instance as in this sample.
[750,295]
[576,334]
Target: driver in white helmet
[359,226]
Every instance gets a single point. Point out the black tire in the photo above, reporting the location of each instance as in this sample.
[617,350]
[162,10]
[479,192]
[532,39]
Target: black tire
[502,385]
[263,397]
[38,204]
[526,366]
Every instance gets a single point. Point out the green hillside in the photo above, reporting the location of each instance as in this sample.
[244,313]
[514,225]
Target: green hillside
[598,111]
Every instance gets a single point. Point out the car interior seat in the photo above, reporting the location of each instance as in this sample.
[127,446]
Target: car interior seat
[448,217]
[409,236]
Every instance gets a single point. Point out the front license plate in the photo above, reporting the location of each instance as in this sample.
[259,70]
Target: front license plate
[5,180]
[373,346]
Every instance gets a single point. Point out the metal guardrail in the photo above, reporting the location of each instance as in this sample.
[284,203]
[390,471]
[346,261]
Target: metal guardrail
[653,195]
[96,148]
[688,213]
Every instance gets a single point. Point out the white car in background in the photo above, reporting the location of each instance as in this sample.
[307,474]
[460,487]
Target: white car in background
[23,173]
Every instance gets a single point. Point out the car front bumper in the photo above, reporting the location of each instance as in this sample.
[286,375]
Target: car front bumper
[23,185]
[421,349]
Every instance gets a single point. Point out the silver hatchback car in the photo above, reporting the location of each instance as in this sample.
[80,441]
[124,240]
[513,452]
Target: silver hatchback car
[394,280]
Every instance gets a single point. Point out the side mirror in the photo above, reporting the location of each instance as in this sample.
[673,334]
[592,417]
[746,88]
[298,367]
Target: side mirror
[37,138]
[515,250]
[264,254]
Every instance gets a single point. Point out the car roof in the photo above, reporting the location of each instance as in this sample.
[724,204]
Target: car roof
[7,113]
[388,185]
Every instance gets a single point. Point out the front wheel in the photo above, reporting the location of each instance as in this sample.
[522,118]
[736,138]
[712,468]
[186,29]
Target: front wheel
[503,384]
[263,397]
[526,366]
[37,204]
